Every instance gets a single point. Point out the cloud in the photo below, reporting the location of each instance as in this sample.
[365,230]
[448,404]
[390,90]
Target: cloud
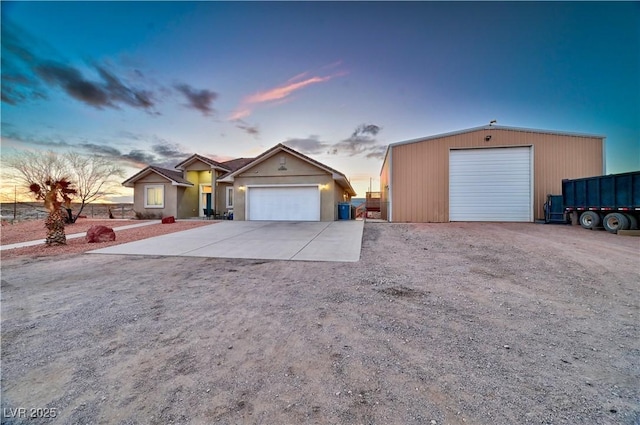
[377,152]
[160,152]
[200,100]
[252,130]
[18,82]
[362,142]
[280,93]
[168,150]
[138,98]
[109,92]
[139,157]
[26,73]
[309,146]
[103,150]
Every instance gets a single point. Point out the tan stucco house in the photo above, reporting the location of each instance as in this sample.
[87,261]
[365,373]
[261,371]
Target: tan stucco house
[281,185]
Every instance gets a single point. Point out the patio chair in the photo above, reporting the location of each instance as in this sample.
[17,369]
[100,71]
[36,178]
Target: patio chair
[208,213]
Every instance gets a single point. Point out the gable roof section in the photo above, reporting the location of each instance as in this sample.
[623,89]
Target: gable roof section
[175,177]
[195,157]
[337,175]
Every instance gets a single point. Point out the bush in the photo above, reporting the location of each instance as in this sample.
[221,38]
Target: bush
[145,215]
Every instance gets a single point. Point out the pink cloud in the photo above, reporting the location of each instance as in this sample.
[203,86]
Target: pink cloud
[280,94]
[283,91]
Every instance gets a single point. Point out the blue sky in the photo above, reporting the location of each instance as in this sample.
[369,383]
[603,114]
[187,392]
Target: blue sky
[152,82]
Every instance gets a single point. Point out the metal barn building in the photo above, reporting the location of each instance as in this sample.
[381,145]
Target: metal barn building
[489,173]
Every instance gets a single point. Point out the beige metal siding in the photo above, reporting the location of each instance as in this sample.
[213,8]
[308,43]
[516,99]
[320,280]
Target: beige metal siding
[420,170]
[385,186]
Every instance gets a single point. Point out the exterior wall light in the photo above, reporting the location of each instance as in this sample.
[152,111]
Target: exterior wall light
[487,138]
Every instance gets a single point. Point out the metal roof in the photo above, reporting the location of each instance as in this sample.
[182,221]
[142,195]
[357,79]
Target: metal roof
[496,127]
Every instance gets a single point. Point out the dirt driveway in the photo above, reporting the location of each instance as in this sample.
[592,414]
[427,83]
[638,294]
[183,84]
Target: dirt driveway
[443,323]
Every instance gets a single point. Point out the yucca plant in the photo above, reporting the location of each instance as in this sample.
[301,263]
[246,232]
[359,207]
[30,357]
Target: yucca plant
[51,194]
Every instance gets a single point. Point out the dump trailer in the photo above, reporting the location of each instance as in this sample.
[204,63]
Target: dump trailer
[612,201]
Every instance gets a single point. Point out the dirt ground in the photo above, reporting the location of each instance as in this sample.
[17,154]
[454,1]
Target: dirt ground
[437,324]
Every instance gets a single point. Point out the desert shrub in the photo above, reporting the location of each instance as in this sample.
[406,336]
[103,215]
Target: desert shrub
[146,215]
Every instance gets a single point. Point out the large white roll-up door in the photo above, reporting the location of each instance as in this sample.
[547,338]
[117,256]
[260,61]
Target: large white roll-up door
[490,184]
[283,203]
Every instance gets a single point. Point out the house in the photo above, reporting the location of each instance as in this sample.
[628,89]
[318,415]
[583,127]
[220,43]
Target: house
[488,173]
[280,184]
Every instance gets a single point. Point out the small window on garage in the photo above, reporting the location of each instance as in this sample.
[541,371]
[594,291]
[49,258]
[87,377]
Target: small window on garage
[154,196]
[230,197]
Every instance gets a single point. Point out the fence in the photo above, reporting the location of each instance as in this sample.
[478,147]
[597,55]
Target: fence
[22,211]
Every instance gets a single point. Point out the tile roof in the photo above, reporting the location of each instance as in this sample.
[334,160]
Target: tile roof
[172,175]
[237,163]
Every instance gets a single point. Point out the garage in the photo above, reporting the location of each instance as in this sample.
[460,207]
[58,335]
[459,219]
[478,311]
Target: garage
[283,203]
[487,173]
[490,184]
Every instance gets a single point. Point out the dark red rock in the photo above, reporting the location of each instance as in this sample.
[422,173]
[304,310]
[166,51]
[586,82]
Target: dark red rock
[168,220]
[100,234]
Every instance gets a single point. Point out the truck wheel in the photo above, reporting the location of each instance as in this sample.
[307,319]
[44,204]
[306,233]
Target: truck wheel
[589,220]
[614,222]
[633,221]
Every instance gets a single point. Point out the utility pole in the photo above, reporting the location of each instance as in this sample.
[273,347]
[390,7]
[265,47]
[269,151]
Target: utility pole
[15,202]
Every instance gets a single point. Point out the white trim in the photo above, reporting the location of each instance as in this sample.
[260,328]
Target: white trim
[249,186]
[227,190]
[150,186]
[530,212]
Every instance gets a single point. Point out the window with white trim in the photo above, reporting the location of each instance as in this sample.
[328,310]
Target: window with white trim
[154,196]
[230,197]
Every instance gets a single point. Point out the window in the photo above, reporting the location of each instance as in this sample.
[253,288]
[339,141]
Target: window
[230,197]
[154,196]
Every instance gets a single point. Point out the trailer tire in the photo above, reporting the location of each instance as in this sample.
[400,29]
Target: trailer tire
[589,220]
[633,221]
[614,222]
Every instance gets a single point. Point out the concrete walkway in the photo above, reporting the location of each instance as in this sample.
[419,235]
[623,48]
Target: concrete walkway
[75,235]
[307,241]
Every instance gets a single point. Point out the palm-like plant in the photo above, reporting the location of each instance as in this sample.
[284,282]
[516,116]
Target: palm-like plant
[51,194]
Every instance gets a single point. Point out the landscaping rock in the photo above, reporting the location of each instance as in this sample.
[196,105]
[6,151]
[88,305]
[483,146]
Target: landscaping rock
[168,220]
[100,234]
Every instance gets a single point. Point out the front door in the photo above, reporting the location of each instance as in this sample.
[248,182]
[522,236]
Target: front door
[205,200]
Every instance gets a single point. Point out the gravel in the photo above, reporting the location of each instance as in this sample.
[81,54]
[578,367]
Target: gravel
[34,230]
[460,323]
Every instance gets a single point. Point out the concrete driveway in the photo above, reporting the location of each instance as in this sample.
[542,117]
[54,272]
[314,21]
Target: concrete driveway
[307,241]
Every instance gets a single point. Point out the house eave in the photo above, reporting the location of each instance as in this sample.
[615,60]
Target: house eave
[344,182]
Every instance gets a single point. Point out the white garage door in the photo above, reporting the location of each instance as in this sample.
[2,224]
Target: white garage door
[490,184]
[283,203]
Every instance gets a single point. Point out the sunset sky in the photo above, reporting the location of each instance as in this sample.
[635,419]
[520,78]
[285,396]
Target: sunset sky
[153,82]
